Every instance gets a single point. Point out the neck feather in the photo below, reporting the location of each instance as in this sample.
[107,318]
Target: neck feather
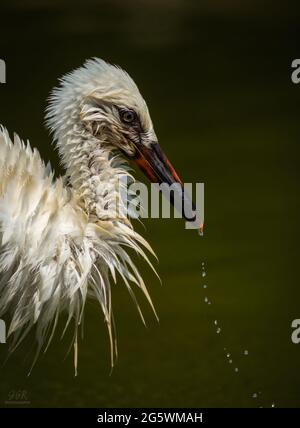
[95,173]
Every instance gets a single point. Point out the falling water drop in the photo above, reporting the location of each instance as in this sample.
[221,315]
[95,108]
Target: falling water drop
[273,405]
[218,331]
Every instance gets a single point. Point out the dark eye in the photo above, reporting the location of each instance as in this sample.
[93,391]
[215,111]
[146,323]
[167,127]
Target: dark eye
[128,116]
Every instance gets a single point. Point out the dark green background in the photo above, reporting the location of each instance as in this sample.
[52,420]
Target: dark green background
[216,76]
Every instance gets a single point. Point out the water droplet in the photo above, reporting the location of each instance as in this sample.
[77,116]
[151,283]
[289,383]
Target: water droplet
[273,405]
[246,352]
[230,361]
[236,369]
[209,303]
[205,299]
[203,274]
[215,322]
[228,355]
[254,395]
[204,286]
[218,330]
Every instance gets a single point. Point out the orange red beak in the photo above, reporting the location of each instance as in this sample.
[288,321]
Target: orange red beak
[156,166]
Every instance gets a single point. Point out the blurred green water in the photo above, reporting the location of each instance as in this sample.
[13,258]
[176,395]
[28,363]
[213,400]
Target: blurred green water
[217,82]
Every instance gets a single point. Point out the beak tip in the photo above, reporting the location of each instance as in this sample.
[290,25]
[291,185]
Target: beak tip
[201,229]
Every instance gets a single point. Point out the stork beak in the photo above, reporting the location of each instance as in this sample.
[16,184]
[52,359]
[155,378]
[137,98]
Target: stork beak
[156,166]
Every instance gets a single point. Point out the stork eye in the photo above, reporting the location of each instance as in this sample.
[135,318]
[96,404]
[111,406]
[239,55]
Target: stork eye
[128,116]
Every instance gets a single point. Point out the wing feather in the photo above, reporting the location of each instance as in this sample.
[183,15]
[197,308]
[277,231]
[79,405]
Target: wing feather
[51,254]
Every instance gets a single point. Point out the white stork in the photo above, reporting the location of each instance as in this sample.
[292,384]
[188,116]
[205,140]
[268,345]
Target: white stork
[58,243]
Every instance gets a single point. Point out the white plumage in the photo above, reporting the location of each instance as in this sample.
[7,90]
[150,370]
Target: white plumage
[52,253]
[58,242]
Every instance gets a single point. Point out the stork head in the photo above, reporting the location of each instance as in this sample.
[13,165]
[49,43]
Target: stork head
[101,104]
